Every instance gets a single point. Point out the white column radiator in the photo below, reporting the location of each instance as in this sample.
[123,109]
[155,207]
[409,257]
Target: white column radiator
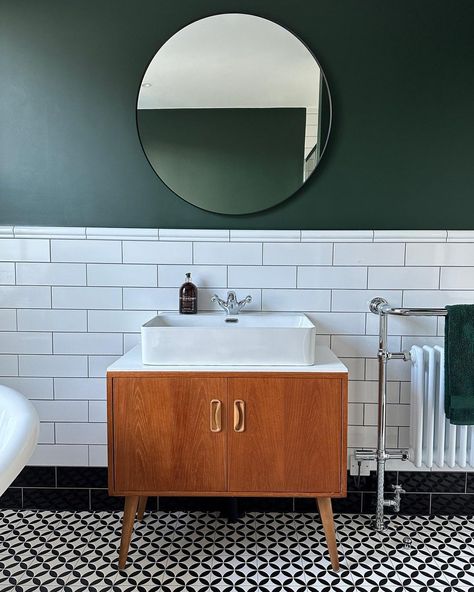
[433,440]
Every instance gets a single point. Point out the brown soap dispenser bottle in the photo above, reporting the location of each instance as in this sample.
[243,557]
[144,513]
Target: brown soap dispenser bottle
[188,297]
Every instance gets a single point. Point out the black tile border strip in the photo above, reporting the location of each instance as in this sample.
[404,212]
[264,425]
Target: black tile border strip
[85,488]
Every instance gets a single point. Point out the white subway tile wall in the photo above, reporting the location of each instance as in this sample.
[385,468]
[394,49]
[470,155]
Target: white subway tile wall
[7,273]
[110,274]
[51,274]
[8,319]
[72,300]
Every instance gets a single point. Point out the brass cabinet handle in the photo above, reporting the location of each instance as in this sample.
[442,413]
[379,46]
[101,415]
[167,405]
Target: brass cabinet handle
[239,415]
[216,415]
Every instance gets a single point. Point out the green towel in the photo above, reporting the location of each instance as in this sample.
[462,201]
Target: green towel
[459,364]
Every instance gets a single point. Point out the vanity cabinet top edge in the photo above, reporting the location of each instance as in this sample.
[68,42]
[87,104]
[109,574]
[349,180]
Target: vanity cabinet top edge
[327,365]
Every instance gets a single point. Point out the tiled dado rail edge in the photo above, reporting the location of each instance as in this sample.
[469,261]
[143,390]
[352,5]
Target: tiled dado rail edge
[85,488]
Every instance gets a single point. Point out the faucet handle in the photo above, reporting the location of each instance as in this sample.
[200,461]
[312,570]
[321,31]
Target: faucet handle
[243,302]
[246,300]
[219,301]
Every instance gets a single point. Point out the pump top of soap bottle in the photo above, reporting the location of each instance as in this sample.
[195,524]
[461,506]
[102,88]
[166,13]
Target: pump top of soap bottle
[188,297]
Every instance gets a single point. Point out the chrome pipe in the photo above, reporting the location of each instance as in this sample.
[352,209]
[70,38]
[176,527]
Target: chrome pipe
[400,455]
[405,355]
[371,454]
[418,312]
[381,306]
[382,419]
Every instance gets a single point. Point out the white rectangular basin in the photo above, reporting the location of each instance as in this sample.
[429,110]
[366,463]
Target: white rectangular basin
[214,339]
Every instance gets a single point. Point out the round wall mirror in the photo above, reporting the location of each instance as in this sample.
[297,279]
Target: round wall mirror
[234,113]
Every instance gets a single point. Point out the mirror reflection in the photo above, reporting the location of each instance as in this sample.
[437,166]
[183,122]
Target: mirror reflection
[234,113]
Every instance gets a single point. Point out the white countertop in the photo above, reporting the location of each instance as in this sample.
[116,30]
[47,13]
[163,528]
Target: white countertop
[326,361]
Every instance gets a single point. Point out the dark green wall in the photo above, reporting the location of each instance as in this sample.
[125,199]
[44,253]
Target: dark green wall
[401,75]
[226,160]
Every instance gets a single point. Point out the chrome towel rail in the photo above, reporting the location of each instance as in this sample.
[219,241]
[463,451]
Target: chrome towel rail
[381,307]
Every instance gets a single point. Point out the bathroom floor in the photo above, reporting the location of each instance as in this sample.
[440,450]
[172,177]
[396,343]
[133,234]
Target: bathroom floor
[45,551]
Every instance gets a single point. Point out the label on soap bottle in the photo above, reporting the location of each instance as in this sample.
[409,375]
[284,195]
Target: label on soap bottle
[188,302]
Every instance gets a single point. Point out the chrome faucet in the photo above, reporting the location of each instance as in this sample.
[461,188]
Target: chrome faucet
[232,306]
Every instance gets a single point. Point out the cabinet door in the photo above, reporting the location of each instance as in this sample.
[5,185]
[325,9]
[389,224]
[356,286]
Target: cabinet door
[162,437]
[292,436]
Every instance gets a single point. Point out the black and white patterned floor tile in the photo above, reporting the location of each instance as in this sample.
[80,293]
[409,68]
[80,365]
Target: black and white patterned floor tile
[44,551]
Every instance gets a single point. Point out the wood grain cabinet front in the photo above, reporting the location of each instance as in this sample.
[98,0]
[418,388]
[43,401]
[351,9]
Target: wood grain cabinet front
[227,435]
[291,442]
[163,440]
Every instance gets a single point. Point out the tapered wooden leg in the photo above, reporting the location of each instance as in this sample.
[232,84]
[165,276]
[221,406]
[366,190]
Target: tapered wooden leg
[141,507]
[325,511]
[131,504]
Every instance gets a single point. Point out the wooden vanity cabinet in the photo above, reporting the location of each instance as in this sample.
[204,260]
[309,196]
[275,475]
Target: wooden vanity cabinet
[227,434]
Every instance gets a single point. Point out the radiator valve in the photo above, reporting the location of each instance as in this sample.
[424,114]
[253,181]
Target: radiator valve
[397,496]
